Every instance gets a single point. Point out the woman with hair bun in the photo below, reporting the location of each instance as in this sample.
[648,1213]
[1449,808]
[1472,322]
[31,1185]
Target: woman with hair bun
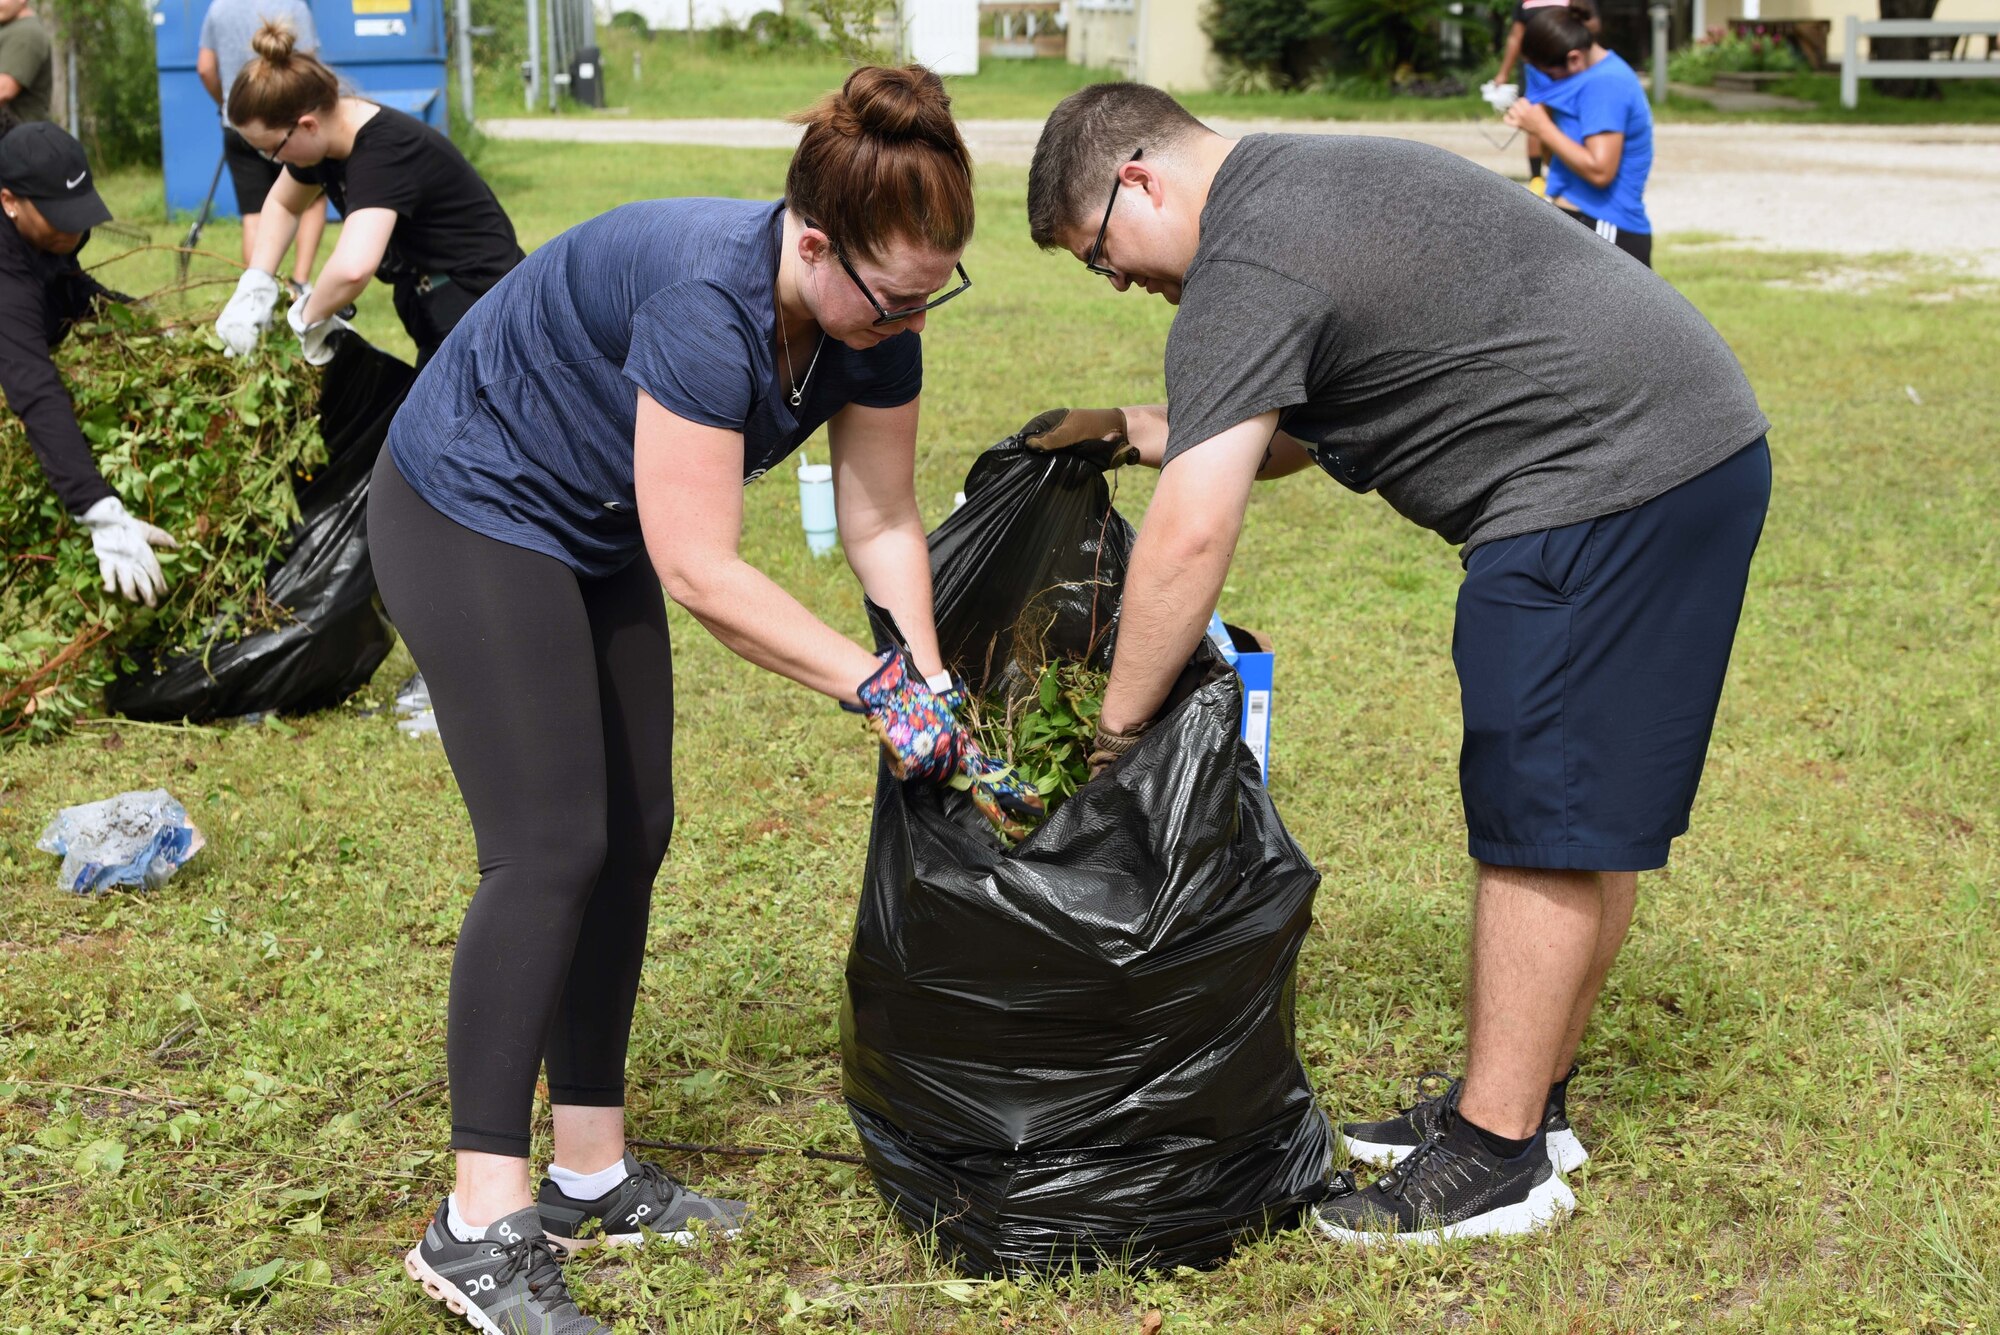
[583,439]
[414,212]
[1595,122]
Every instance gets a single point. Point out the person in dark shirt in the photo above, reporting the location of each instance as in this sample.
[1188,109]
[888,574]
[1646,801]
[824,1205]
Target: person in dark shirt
[576,452]
[50,205]
[414,212]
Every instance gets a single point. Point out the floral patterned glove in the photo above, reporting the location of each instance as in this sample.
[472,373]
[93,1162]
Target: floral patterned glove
[915,727]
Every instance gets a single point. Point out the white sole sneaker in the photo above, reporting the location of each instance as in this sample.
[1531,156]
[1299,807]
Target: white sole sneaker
[1566,1152]
[437,1287]
[1374,1153]
[1546,1203]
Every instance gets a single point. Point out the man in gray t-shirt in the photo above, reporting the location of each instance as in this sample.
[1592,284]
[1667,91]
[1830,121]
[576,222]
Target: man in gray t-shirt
[226,30]
[228,26]
[1420,327]
[27,64]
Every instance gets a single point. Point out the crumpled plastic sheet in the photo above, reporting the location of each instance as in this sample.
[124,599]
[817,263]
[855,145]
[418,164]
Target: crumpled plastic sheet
[137,838]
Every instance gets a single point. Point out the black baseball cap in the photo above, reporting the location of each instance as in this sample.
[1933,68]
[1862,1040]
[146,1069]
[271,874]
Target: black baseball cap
[42,164]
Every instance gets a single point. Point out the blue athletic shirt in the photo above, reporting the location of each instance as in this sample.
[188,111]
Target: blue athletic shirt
[1606,97]
[521,427]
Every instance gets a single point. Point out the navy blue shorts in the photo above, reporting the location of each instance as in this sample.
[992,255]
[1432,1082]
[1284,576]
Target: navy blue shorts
[1590,663]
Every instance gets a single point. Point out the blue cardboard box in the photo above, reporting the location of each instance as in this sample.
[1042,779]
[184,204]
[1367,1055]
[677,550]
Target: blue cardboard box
[1254,661]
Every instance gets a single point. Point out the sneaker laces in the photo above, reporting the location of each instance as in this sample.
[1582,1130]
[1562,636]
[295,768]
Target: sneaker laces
[1416,1173]
[652,1175]
[1428,1106]
[541,1261]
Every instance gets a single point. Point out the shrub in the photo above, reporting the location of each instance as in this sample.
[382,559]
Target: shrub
[1399,37]
[1724,52]
[118,87]
[1257,35]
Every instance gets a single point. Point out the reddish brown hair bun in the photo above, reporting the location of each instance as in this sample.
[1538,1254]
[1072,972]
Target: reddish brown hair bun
[881,160]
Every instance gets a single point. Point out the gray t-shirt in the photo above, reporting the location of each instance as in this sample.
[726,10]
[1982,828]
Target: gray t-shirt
[26,54]
[1432,331]
[230,24]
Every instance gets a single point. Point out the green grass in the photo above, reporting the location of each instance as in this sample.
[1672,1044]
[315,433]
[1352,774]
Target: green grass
[678,79]
[1789,1091]
[1964,101]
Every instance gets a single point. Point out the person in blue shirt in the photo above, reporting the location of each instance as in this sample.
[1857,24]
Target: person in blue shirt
[581,439]
[1594,120]
[1533,82]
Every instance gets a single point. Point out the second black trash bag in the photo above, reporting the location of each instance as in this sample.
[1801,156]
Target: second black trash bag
[1081,1050]
[337,636]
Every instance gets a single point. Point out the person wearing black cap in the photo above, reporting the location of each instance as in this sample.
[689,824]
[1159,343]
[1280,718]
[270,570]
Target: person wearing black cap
[50,205]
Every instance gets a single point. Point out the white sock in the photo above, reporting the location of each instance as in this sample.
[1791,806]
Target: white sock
[588,1186]
[455,1221]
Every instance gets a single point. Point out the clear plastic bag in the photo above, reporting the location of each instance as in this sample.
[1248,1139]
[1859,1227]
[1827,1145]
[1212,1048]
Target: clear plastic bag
[138,838]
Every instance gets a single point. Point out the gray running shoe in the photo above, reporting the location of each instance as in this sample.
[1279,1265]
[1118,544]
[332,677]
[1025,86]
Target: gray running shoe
[509,1283]
[647,1201]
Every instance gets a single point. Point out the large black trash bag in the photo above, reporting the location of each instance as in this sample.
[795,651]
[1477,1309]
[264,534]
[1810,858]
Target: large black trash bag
[1080,1050]
[337,636]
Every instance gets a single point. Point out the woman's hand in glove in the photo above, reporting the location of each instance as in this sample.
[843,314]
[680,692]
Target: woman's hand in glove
[915,726]
[124,547]
[315,339]
[1013,806]
[248,313]
[1096,434]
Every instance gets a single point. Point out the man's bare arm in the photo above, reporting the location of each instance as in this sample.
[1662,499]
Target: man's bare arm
[1146,428]
[1178,564]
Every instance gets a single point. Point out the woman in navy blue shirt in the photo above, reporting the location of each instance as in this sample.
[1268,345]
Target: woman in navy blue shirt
[1595,122]
[582,438]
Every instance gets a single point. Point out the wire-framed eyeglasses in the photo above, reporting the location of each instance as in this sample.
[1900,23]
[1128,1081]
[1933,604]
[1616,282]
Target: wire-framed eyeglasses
[1094,260]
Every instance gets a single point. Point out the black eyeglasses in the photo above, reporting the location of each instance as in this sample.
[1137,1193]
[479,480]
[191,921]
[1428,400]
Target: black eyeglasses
[885,316]
[1097,248]
[272,156]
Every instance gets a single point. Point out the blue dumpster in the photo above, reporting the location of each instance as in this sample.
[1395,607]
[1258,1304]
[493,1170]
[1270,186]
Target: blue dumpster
[390,51]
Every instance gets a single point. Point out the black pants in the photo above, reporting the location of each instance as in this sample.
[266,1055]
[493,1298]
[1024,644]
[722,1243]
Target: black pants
[1639,245]
[554,698]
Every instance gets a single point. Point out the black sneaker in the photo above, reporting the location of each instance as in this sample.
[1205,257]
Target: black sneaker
[509,1283]
[1448,1187]
[1387,1143]
[648,1201]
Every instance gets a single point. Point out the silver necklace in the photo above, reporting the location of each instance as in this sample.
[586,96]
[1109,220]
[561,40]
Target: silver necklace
[798,391]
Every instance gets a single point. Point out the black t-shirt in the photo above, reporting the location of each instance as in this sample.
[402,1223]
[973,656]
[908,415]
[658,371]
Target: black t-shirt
[447,221]
[41,296]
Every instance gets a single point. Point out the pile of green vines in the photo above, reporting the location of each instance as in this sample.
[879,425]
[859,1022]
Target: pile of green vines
[205,446]
[1046,735]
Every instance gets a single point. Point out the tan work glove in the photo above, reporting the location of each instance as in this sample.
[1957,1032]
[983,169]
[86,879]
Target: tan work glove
[1111,747]
[1096,434]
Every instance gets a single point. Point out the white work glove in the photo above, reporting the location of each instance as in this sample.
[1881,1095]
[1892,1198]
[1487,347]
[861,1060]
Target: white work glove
[315,339]
[124,547]
[248,313]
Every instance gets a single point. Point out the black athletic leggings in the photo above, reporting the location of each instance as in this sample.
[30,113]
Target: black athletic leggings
[554,697]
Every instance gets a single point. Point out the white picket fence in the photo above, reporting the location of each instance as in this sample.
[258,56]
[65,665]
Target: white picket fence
[1853,69]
